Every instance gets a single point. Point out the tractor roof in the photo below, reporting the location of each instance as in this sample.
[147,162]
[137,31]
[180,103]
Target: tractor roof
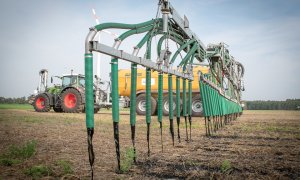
[80,75]
[73,75]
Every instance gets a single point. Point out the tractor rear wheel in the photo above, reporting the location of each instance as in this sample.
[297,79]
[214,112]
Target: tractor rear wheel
[71,101]
[141,105]
[41,103]
[96,110]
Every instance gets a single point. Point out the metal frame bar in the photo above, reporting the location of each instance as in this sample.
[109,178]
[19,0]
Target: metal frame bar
[120,54]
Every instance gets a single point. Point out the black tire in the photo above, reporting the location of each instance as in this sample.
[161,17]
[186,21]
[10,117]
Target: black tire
[165,105]
[141,105]
[41,103]
[71,101]
[58,109]
[197,108]
[96,110]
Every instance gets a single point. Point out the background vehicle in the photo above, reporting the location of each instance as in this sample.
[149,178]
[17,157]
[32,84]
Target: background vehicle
[124,90]
[69,96]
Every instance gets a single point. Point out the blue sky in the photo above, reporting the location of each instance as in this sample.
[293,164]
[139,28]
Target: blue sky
[263,35]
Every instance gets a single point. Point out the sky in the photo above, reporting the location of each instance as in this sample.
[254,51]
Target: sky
[262,35]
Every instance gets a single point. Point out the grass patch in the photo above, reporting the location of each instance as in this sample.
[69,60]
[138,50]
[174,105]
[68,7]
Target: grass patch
[192,162]
[9,162]
[37,172]
[127,160]
[281,128]
[59,169]
[16,106]
[65,166]
[226,166]
[17,154]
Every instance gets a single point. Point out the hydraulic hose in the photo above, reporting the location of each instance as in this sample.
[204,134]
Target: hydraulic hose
[133,105]
[115,105]
[159,44]
[178,104]
[148,94]
[159,105]
[190,106]
[180,49]
[188,56]
[203,104]
[113,25]
[138,30]
[89,107]
[171,114]
[184,106]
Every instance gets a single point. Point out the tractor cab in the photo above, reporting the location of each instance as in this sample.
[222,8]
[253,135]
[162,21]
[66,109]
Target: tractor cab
[73,80]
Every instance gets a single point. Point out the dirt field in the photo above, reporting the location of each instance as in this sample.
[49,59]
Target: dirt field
[259,145]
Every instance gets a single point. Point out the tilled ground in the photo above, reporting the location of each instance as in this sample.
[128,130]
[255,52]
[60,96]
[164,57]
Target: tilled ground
[258,145]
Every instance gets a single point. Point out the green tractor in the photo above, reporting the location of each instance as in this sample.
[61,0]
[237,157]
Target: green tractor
[69,96]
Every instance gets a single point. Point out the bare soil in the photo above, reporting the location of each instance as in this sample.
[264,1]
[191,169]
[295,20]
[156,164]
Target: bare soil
[258,145]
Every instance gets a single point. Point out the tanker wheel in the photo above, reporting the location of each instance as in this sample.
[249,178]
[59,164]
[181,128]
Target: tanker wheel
[71,101]
[141,105]
[165,106]
[197,108]
[41,103]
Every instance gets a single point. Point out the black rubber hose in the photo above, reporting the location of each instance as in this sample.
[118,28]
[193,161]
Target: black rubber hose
[117,144]
[90,133]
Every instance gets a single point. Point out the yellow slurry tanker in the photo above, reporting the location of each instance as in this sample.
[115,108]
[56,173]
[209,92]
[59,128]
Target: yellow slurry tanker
[124,90]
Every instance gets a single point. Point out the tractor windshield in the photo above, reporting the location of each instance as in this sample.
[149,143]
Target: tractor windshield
[81,81]
[69,81]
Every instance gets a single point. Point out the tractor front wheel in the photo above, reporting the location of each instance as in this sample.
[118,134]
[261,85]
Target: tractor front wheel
[71,101]
[41,103]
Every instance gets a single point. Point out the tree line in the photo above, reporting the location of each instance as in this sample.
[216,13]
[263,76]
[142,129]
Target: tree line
[289,104]
[20,100]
